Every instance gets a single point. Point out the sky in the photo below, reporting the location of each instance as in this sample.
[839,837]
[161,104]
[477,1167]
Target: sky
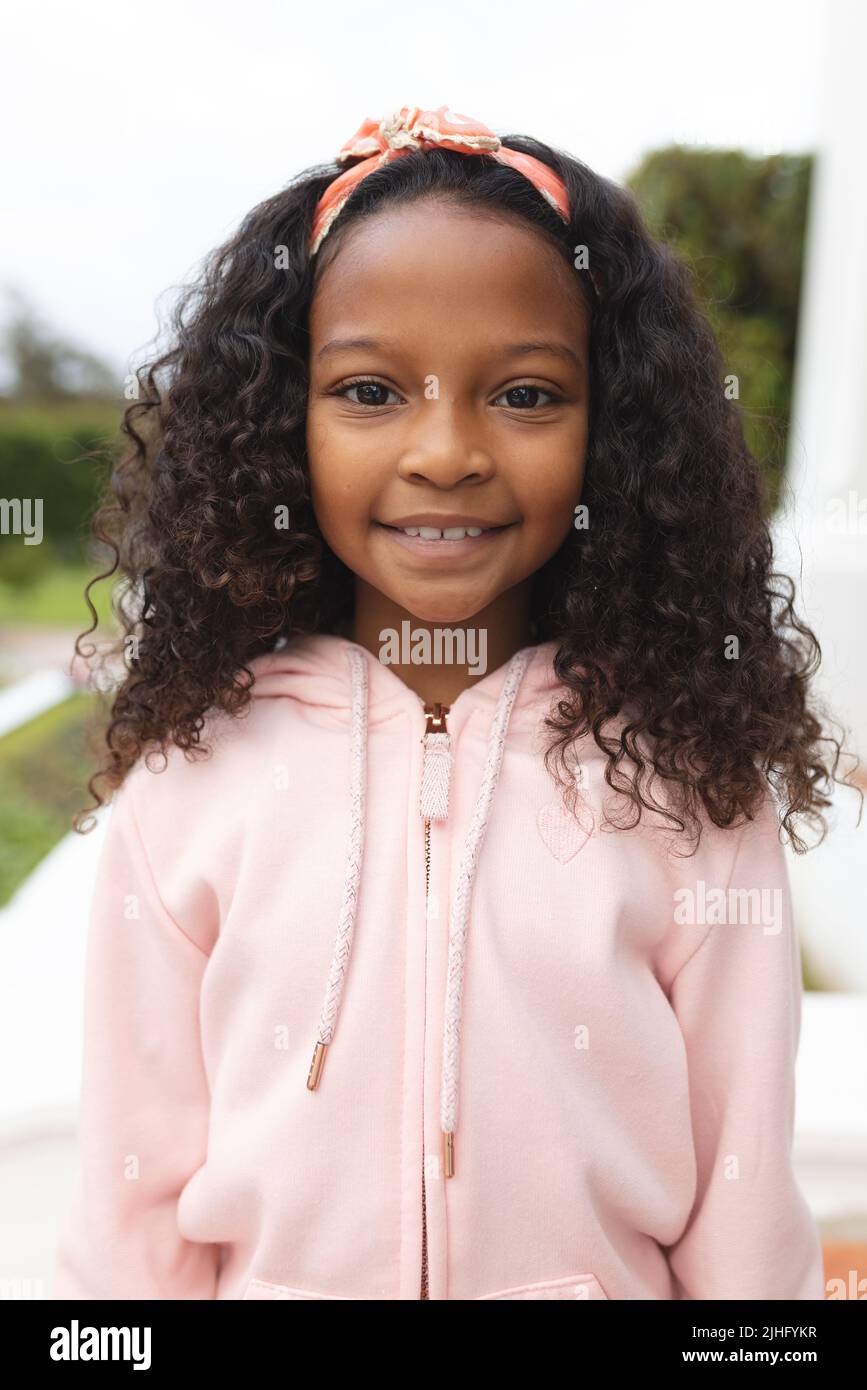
[135,137]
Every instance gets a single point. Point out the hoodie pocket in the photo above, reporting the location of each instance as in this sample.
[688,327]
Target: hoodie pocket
[259,1288]
[577,1286]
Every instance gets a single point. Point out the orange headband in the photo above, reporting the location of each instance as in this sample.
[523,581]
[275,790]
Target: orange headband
[410,128]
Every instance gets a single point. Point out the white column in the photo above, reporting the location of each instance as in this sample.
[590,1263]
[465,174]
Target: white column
[824,507]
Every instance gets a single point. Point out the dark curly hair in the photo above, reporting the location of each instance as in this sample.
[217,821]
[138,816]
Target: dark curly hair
[676,563]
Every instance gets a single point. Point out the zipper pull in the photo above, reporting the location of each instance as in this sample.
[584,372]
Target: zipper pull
[437,764]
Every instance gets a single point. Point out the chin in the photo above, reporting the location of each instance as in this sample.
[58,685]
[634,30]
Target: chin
[446,614]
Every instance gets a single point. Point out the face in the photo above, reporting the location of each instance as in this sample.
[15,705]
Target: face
[441,418]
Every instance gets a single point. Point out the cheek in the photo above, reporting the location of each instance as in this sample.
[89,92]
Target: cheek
[547,497]
[339,510]
[546,478]
[337,484]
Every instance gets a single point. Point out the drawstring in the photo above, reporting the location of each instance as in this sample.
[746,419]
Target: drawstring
[459,916]
[346,920]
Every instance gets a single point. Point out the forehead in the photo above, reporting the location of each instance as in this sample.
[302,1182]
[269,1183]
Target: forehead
[429,270]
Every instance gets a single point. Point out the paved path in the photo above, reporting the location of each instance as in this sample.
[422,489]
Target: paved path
[32,695]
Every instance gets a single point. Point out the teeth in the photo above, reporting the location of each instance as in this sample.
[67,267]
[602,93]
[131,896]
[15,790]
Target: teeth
[433,533]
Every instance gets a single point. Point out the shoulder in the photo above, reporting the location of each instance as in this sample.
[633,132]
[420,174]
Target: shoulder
[217,774]
[675,826]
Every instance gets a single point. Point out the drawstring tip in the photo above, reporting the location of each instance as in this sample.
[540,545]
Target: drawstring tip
[316,1066]
[448,1153]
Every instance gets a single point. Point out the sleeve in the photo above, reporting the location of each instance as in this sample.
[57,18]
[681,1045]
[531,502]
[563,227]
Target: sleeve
[750,1233]
[144,1100]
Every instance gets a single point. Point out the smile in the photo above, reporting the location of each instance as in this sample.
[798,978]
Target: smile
[449,533]
[451,541]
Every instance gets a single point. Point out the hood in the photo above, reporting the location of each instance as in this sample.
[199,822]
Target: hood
[333,672]
[316,670]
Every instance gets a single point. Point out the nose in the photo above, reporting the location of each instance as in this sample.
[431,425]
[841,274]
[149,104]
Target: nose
[442,448]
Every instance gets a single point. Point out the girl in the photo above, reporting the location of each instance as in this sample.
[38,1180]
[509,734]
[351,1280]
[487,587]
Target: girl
[448,953]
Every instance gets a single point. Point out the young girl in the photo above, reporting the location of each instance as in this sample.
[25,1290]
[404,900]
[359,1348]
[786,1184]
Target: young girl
[447,952]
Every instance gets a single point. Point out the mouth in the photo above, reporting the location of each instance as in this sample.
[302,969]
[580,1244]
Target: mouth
[445,533]
[452,541]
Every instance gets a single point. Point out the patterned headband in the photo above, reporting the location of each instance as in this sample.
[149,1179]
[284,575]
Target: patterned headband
[378,142]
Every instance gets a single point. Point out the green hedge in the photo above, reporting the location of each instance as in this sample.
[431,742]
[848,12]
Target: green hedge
[47,452]
[739,222]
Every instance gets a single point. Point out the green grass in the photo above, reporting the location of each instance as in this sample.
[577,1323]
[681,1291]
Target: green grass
[102,416]
[57,600]
[44,768]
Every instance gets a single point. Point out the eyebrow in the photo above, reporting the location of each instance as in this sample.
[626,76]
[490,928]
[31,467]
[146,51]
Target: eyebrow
[510,350]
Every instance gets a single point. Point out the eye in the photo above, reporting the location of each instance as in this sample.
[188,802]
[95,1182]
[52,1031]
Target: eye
[367,385]
[525,390]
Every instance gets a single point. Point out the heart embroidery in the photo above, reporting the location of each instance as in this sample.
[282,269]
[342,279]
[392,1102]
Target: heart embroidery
[563,833]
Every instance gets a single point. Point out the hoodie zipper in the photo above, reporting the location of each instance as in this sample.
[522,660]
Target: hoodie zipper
[435,723]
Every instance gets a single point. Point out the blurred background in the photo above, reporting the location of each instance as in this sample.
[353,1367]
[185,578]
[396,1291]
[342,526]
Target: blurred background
[134,141]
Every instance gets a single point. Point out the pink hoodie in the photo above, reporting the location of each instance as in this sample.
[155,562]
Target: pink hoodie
[606,1028]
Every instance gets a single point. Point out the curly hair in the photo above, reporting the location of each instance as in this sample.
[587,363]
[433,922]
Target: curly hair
[644,604]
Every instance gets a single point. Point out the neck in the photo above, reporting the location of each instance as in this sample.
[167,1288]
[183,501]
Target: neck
[438,660]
